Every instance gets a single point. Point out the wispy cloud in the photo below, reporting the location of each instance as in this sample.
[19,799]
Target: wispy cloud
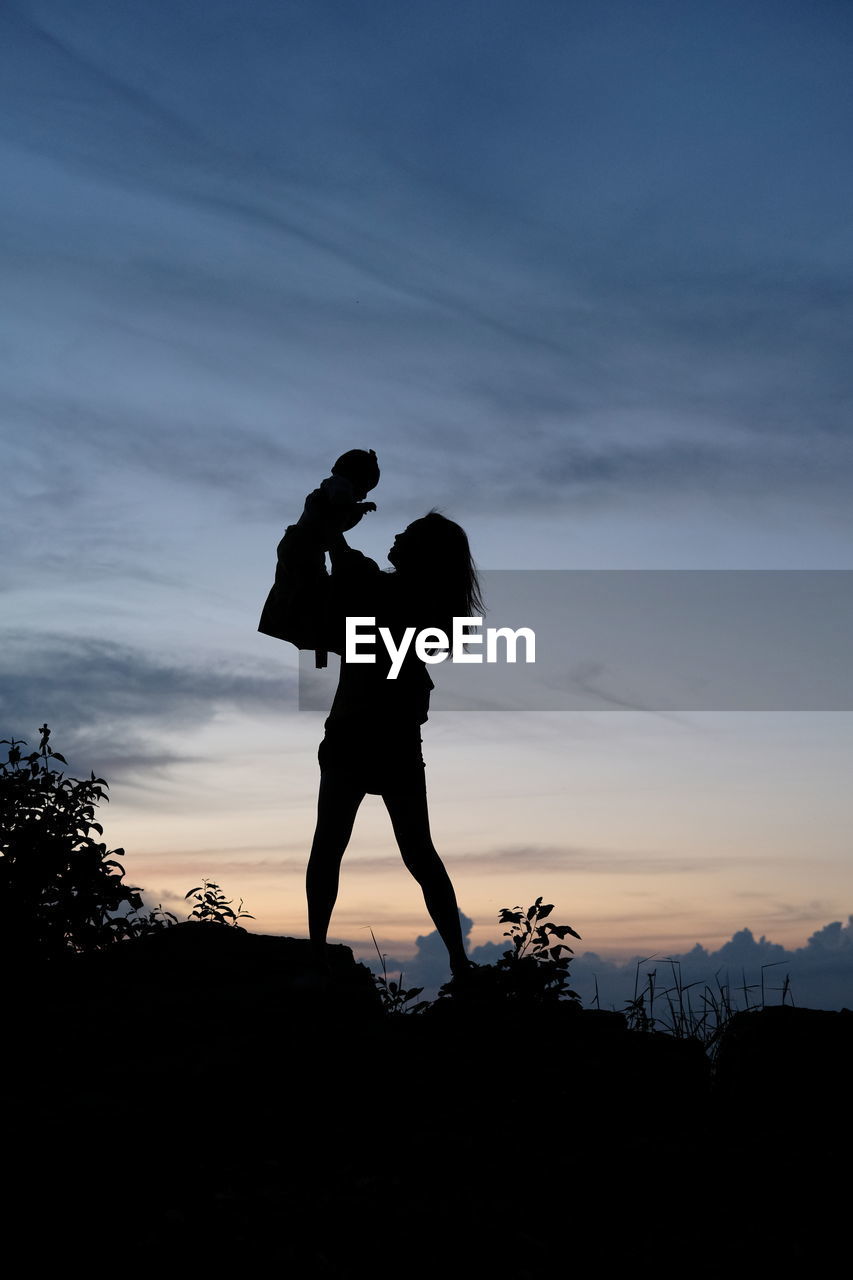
[652,364]
[121,702]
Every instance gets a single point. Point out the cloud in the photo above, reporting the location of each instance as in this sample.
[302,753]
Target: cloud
[429,967]
[317,230]
[228,457]
[821,972]
[592,861]
[120,703]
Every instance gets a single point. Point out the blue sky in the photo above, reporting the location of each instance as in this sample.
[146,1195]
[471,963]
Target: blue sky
[579,272]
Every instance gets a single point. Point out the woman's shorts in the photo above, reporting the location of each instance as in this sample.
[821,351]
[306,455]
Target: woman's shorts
[378,760]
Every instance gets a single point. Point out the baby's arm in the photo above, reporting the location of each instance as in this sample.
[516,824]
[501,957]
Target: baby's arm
[342,493]
[348,517]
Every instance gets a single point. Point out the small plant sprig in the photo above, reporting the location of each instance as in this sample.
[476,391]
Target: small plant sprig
[532,938]
[393,995]
[212,907]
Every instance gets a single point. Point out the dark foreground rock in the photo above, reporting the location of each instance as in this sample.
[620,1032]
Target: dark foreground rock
[205,1099]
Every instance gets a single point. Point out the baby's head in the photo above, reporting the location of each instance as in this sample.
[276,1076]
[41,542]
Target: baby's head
[360,467]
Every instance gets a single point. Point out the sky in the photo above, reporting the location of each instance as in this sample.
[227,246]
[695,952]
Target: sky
[579,272]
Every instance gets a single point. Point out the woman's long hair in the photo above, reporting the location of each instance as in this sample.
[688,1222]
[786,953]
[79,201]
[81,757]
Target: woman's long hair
[435,564]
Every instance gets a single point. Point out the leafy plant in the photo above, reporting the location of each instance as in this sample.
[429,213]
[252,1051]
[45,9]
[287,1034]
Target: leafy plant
[61,889]
[533,971]
[537,967]
[212,907]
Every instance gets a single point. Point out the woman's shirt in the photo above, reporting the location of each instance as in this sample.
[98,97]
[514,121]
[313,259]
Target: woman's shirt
[364,692]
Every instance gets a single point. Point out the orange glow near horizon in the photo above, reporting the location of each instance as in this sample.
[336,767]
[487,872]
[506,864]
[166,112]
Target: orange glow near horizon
[648,836]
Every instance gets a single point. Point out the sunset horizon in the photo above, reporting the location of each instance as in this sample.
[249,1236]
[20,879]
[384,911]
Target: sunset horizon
[579,274]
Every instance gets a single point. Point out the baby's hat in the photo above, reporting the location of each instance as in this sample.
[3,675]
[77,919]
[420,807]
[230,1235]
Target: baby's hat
[360,467]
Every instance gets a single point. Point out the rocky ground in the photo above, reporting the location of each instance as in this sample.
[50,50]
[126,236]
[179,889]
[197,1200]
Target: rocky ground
[201,1098]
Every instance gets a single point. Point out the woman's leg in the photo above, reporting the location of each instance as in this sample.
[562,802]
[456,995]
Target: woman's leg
[407,808]
[337,805]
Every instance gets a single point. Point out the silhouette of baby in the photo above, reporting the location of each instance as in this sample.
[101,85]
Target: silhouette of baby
[339,503]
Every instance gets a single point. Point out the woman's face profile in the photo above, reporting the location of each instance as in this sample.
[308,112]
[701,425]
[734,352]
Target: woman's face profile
[400,543]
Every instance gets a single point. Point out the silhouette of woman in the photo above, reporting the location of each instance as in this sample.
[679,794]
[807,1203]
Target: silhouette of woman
[372,737]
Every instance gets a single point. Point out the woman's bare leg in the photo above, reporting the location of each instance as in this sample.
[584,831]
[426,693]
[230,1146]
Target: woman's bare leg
[337,805]
[407,808]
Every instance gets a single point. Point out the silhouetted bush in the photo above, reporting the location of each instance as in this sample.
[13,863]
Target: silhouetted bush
[61,890]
